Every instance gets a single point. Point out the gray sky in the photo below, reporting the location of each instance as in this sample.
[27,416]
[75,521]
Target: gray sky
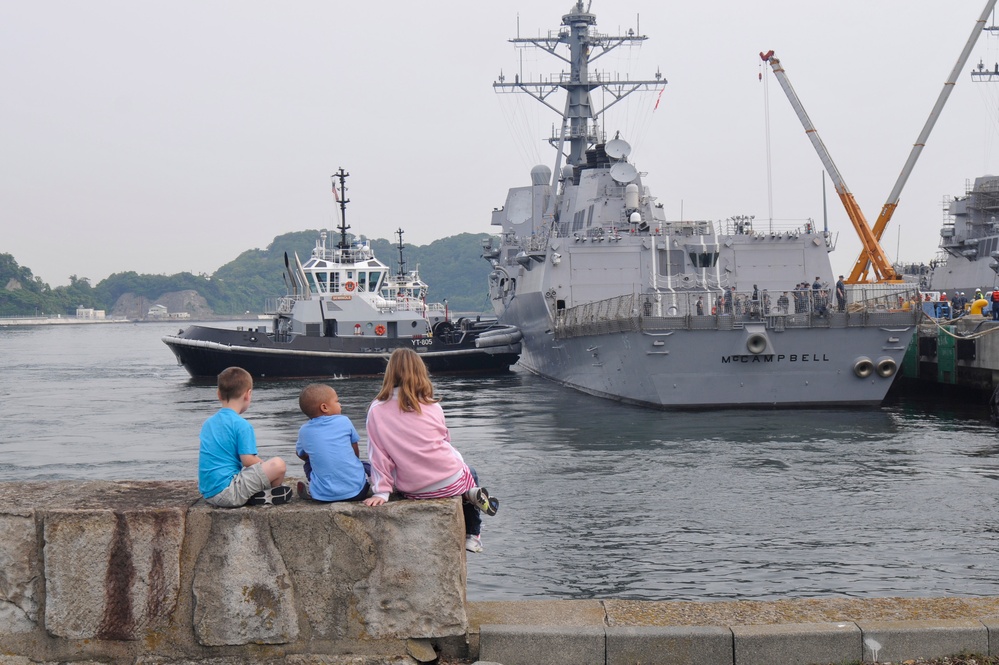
[163,137]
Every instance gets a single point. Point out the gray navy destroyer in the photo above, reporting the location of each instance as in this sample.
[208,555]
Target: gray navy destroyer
[615,300]
[968,256]
[969,243]
[347,311]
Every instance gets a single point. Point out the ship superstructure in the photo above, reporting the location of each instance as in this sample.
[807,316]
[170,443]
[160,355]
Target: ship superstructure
[615,299]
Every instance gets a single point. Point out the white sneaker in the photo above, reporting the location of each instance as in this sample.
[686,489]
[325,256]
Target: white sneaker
[479,497]
[473,543]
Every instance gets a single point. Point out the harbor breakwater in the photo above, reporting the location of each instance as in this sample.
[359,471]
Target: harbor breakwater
[146,572]
[131,572]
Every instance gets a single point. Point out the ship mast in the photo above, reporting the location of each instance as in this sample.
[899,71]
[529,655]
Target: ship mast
[580,121]
[342,199]
[402,263]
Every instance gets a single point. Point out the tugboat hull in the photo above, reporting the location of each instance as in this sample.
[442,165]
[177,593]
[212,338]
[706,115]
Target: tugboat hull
[204,352]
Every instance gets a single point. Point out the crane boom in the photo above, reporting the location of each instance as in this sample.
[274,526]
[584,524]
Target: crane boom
[871,247]
[859,273]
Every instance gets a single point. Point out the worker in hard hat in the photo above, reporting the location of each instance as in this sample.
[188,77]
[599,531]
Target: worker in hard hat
[979,304]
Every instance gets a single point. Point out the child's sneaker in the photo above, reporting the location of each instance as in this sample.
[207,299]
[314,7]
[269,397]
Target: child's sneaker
[481,499]
[473,543]
[272,496]
[303,490]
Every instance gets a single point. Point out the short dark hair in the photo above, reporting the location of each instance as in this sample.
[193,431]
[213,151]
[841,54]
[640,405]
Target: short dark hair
[312,397]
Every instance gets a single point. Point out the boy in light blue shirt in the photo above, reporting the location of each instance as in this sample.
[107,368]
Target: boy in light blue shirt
[328,445]
[230,474]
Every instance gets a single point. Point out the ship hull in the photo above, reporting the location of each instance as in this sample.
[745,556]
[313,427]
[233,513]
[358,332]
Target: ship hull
[705,362]
[206,351]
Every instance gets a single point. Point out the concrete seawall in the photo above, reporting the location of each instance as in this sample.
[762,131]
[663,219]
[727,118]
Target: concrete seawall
[128,571]
[146,572]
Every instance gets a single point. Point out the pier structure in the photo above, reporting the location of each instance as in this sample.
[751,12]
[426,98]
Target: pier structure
[963,353]
[144,572]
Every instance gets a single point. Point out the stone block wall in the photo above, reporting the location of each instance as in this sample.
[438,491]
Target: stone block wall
[125,571]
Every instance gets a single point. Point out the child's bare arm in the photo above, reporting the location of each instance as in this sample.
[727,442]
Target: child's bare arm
[249,460]
[303,456]
[357,452]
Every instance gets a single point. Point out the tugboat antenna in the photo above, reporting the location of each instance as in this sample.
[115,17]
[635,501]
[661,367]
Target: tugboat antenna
[402,263]
[342,199]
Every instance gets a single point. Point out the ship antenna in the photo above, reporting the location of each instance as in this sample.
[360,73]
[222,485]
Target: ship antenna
[402,263]
[341,198]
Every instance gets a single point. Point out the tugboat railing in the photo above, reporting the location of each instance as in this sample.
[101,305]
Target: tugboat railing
[284,304]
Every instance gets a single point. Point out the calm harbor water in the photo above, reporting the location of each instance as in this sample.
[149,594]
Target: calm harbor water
[598,500]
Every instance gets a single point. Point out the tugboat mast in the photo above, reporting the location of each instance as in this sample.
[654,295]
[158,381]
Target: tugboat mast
[579,119]
[402,263]
[342,199]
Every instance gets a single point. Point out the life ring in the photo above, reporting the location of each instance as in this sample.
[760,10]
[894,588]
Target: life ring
[350,286]
[379,329]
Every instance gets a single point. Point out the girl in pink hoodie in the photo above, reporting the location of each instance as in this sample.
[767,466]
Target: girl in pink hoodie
[410,450]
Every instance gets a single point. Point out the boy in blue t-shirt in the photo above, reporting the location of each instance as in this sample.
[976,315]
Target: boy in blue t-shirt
[328,445]
[230,474]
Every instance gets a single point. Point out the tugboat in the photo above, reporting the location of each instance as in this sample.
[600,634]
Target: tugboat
[345,315]
[615,300]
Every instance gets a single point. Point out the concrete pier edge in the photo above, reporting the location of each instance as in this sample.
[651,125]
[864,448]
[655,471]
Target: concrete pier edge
[142,572]
[791,631]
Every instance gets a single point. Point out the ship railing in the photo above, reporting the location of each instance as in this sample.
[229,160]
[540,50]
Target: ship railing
[410,305]
[687,228]
[869,305]
[742,225]
[280,304]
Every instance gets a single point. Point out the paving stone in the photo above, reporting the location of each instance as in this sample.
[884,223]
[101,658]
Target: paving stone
[908,640]
[797,644]
[362,572]
[242,590]
[681,645]
[111,574]
[992,625]
[542,645]
[20,569]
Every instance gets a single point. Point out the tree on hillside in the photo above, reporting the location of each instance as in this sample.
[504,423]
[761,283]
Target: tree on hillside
[452,266]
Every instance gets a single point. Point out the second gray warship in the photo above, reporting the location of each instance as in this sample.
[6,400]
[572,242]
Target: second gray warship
[615,300]
[968,256]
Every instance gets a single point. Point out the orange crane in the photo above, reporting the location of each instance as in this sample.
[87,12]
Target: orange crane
[872,255]
[872,250]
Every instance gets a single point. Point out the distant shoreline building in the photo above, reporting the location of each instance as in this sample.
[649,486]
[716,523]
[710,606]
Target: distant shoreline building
[90,314]
[158,311]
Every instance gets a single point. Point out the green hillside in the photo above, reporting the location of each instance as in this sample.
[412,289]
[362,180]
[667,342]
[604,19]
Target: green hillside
[452,266]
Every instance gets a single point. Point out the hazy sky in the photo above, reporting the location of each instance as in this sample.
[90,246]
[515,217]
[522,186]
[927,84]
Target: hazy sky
[168,136]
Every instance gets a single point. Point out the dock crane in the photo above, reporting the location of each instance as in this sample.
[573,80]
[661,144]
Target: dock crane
[872,255]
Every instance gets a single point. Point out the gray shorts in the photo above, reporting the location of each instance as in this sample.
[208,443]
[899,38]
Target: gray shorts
[246,483]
